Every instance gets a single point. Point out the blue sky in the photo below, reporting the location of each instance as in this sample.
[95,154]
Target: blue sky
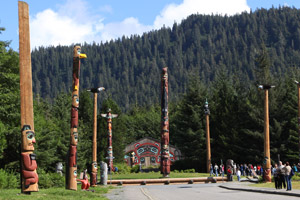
[67,22]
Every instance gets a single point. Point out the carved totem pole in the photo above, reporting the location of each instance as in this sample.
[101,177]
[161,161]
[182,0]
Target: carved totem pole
[94,163]
[29,176]
[298,86]
[110,157]
[208,154]
[267,160]
[71,174]
[165,156]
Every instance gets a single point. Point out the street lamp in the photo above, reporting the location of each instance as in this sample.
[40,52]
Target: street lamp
[94,163]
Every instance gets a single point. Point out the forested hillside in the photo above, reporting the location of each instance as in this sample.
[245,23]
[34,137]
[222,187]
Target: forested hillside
[130,67]
[214,57]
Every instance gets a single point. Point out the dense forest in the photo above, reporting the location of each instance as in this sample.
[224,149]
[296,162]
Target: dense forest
[218,58]
[130,67]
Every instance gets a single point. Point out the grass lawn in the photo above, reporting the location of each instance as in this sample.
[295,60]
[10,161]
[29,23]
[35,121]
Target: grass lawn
[154,175]
[56,194]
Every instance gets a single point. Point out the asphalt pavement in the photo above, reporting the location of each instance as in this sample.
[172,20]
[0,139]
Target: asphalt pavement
[213,191]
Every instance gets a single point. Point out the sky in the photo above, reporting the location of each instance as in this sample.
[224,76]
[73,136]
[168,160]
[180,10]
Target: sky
[67,22]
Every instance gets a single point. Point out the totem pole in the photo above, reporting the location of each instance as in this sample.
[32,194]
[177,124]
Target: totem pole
[208,154]
[71,175]
[267,160]
[298,85]
[29,176]
[110,157]
[165,156]
[94,163]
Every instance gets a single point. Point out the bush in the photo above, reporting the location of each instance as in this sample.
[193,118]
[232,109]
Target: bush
[189,171]
[9,180]
[49,180]
[123,168]
[135,169]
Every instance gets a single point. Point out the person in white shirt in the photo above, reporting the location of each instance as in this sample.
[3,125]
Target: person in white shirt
[238,174]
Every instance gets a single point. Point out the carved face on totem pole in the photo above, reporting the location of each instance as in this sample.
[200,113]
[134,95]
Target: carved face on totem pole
[73,175]
[165,74]
[94,167]
[74,136]
[75,101]
[28,138]
[77,52]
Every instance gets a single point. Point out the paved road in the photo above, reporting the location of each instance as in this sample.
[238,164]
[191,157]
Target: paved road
[187,192]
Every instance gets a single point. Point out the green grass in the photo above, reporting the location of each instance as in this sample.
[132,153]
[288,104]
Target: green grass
[154,175]
[56,194]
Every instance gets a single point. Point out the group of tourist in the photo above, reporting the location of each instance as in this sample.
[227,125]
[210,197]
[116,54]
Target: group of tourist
[215,170]
[282,173]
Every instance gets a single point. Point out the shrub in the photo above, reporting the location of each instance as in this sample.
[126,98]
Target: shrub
[48,180]
[135,169]
[123,168]
[189,171]
[9,180]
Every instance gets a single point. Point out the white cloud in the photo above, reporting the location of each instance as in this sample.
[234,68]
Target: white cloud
[50,28]
[127,27]
[175,13]
[73,22]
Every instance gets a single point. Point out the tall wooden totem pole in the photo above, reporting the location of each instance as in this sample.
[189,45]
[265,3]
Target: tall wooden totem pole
[110,157]
[165,156]
[29,177]
[94,162]
[208,154]
[267,159]
[71,174]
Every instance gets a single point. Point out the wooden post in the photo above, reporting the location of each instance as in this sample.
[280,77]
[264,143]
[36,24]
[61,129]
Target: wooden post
[298,86]
[29,177]
[208,152]
[267,160]
[267,168]
[94,162]
[95,130]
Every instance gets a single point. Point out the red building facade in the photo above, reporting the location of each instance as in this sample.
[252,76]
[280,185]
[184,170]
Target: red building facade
[147,151]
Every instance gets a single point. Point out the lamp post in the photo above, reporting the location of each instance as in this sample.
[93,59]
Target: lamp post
[298,86]
[208,153]
[267,161]
[94,162]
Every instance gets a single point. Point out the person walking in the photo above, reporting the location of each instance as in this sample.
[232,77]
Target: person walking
[242,170]
[287,175]
[275,175]
[295,168]
[211,170]
[221,170]
[216,169]
[238,174]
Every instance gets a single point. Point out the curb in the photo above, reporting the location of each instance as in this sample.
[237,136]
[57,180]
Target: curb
[261,191]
